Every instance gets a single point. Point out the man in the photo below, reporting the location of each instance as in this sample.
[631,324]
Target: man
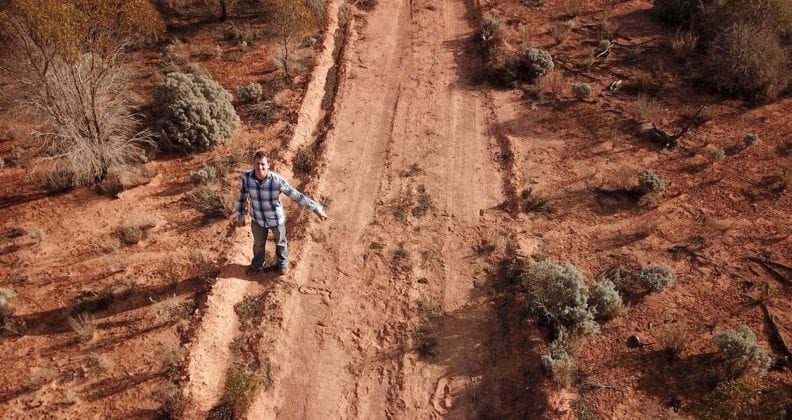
[263,187]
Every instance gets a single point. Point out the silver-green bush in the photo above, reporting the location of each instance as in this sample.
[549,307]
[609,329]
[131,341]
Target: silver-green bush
[581,90]
[657,277]
[605,299]
[249,93]
[537,62]
[649,181]
[740,346]
[559,295]
[558,363]
[203,175]
[195,113]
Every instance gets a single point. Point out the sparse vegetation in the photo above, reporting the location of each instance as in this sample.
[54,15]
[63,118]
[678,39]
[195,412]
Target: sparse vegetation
[250,93]
[84,325]
[171,400]
[747,397]
[581,90]
[650,182]
[202,176]
[195,113]
[645,108]
[6,310]
[718,154]
[425,341]
[131,234]
[73,80]
[605,299]
[424,202]
[304,161]
[750,139]
[684,43]
[534,202]
[742,352]
[558,296]
[674,339]
[490,30]
[211,203]
[558,363]
[657,277]
[241,387]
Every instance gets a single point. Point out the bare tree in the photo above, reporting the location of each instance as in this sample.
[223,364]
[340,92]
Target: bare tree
[67,60]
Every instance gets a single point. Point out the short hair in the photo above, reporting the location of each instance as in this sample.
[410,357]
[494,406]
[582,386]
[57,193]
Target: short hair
[260,154]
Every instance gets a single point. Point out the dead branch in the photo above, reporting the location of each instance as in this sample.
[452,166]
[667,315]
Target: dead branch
[668,140]
[771,267]
[776,335]
[566,66]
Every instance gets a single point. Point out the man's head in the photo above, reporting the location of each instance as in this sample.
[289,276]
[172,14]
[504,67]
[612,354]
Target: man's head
[260,163]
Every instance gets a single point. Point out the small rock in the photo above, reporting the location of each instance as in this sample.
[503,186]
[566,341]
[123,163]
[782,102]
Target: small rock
[633,341]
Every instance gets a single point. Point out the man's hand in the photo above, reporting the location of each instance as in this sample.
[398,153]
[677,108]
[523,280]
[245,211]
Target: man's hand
[322,216]
[239,223]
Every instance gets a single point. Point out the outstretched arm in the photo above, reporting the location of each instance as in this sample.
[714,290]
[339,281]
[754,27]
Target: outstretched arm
[302,200]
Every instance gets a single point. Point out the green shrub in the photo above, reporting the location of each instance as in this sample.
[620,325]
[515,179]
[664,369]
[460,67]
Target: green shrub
[6,311]
[739,346]
[490,29]
[747,397]
[558,363]
[241,388]
[211,203]
[304,161]
[748,60]
[264,112]
[249,93]
[559,295]
[537,63]
[649,182]
[581,90]
[605,299]
[203,175]
[131,234]
[195,113]
[751,139]
[656,277]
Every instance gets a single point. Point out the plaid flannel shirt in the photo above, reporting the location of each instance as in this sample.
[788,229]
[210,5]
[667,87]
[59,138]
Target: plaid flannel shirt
[266,210]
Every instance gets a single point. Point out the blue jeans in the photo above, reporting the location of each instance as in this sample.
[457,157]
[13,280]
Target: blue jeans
[260,239]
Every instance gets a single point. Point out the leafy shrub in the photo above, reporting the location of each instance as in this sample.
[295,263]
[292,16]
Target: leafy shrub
[6,312]
[747,397]
[195,113]
[490,29]
[740,347]
[581,90]
[558,363]
[605,299]
[718,153]
[537,62]
[649,182]
[674,339]
[304,161]
[203,175]
[264,112]
[171,401]
[559,296]
[249,93]
[748,60]
[241,388]
[131,234]
[656,277]
[751,139]
[211,203]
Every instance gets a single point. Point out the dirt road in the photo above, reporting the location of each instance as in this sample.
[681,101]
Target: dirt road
[386,314]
